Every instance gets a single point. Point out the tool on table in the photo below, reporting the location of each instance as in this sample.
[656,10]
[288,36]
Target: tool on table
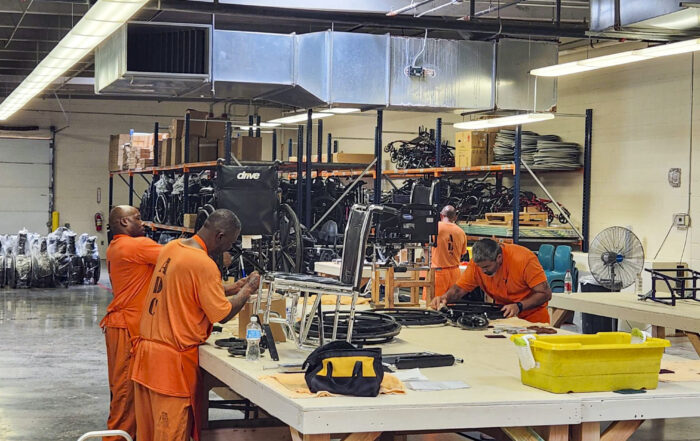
[270,340]
[419,360]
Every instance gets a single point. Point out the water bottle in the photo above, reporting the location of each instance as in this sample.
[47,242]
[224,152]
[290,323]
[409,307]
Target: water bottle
[638,286]
[252,337]
[568,282]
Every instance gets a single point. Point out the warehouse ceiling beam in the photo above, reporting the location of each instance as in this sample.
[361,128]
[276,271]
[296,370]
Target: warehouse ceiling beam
[479,26]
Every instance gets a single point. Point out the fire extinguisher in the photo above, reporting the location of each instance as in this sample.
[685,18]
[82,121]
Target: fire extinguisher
[98,221]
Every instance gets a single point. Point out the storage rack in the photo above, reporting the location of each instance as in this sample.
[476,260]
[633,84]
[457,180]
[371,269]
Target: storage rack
[328,169]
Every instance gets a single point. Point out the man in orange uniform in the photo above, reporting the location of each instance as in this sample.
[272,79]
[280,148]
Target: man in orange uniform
[510,274]
[185,297]
[451,246]
[131,258]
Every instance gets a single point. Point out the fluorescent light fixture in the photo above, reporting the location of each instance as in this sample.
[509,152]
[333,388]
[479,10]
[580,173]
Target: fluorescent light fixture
[261,126]
[299,117]
[648,53]
[515,120]
[342,110]
[99,22]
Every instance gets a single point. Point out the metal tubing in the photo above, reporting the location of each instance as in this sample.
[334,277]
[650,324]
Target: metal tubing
[319,141]
[257,126]
[345,193]
[438,155]
[309,148]
[585,217]
[155,145]
[274,145]
[250,125]
[516,186]
[131,189]
[300,156]
[289,154]
[549,195]
[227,143]
[378,156]
[330,148]
[186,176]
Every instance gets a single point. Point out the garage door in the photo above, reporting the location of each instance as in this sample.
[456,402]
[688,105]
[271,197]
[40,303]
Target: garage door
[25,174]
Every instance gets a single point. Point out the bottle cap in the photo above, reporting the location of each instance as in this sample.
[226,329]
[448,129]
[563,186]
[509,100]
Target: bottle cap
[253,319]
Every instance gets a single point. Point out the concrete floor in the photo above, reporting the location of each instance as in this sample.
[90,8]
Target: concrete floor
[53,377]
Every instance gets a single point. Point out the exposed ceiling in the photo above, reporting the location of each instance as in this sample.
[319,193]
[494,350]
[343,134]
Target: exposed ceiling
[29,29]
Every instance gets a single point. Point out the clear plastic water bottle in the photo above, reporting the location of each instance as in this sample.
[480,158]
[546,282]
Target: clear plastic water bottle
[568,282]
[639,285]
[253,333]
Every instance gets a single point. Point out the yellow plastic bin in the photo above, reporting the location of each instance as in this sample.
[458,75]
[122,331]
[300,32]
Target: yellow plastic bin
[606,361]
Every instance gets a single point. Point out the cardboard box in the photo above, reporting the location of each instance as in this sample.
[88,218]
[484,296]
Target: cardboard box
[193,150]
[165,152]
[176,151]
[471,148]
[116,148]
[471,158]
[352,158]
[215,129]
[470,139]
[278,305]
[247,148]
[189,220]
[198,127]
[208,150]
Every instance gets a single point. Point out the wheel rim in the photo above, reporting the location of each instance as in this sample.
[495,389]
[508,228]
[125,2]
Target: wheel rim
[288,240]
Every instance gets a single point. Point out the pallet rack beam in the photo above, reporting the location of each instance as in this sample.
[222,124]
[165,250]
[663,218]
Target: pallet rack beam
[378,157]
[438,154]
[516,185]
[585,218]
[309,148]
[300,156]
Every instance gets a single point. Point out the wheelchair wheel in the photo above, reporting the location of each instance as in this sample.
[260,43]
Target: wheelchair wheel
[161,211]
[202,216]
[288,251]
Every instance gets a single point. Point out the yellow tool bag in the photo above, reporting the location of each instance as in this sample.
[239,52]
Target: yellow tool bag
[341,368]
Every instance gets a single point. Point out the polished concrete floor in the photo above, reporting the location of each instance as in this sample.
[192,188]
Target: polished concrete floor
[53,378]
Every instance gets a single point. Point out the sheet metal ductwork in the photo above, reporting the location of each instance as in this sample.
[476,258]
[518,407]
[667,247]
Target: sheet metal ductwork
[362,70]
[658,14]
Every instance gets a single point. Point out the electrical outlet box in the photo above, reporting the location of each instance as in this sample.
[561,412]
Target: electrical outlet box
[681,221]
[415,71]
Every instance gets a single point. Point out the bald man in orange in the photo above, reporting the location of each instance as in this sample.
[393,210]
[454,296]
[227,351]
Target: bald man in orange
[185,298]
[451,246]
[131,258]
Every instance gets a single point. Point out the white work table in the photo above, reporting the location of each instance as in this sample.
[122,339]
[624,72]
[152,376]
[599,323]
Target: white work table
[495,399]
[333,269]
[684,316]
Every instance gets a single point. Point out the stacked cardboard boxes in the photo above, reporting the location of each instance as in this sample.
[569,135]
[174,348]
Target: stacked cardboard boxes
[471,148]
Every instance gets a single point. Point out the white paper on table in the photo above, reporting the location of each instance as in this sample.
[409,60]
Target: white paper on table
[436,385]
[410,375]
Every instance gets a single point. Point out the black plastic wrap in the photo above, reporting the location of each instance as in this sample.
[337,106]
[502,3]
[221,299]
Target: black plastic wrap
[23,263]
[42,267]
[91,262]
[62,274]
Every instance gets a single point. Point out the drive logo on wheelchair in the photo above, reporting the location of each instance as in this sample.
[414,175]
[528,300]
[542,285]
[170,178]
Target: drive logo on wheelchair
[247,176]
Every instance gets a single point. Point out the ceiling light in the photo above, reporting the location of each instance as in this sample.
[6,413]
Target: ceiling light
[299,117]
[626,57]
[342,110]
[515,120]
[100,21]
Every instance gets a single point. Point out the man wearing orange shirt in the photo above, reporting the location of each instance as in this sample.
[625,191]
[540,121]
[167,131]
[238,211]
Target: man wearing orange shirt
[451,246]
[131,258]
[510,274]
[185,297]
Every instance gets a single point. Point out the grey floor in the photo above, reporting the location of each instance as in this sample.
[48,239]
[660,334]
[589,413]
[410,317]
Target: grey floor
[53,378]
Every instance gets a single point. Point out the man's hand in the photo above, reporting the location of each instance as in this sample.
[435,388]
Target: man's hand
[252,280]
[438,303]
[511,310]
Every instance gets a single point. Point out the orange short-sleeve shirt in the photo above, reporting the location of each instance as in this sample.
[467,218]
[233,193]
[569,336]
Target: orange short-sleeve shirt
[451,246]
[184,299]
[130,263]
[520,272]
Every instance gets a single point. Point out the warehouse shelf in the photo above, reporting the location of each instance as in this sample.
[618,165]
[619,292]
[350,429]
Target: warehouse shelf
[284,167]
[155,226]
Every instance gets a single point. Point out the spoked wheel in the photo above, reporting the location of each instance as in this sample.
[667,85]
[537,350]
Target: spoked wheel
[202,216]
[288,252]
[161,211]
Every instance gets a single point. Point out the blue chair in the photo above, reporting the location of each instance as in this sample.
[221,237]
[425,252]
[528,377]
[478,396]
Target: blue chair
[563,261]
[546,257]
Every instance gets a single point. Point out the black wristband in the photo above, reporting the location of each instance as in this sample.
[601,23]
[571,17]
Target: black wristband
[520,306]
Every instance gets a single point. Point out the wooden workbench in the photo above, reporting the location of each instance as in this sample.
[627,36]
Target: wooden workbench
[496,398]
[685,316]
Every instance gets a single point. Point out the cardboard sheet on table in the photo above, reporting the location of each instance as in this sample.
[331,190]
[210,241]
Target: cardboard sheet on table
[294,386]
[682,371]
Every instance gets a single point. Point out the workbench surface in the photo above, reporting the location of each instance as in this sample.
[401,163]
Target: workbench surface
[496,397]
[625,305]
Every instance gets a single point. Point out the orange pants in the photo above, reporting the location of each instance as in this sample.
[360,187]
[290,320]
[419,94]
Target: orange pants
[444,279]
[121,388]
[161,417]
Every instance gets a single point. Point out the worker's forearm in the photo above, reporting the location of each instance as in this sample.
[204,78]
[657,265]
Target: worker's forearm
[454,293]
[238,301]
[230,290]
[536,299]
